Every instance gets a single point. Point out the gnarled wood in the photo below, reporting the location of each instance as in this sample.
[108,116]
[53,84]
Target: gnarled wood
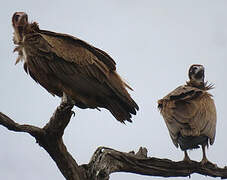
[105,160]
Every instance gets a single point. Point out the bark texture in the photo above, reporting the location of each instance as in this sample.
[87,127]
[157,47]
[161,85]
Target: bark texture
[104,160]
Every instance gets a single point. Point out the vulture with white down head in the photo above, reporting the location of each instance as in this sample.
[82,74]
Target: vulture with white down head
[190,114]
[72,69]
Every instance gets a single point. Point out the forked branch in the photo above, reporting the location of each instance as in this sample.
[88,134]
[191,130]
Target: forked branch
[105,160]
[50,138]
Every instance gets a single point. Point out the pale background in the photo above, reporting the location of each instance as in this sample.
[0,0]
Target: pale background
[153,43]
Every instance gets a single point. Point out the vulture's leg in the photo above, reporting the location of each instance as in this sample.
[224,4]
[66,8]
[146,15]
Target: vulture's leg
[186,157]
[204,160]
[67,100]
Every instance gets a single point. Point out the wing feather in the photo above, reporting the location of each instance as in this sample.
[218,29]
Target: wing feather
[92,62]
[56,40]
[81,59]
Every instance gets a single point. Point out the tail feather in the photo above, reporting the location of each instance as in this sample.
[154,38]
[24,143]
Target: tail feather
[192,142]
[119,87]
[120,112]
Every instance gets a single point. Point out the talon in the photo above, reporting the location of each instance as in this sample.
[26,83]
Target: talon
[63,106]
[187,161]
[73,113]
[67,100]
[206,161]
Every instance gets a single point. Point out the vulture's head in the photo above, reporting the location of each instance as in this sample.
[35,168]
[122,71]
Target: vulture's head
[19,22]
[21,26]
[196,74]
[19,19]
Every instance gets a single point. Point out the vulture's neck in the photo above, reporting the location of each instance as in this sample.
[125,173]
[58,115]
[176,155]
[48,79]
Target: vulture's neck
[203,86]
[20,32]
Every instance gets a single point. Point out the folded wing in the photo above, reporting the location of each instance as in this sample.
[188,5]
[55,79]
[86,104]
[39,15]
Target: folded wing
[189,111]
[62,63]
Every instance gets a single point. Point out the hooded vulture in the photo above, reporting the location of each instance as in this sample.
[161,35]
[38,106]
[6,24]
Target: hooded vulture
[190,114]
[72,69]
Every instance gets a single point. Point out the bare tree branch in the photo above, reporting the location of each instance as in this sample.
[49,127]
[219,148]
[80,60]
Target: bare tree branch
[104,160]
[13,126]
[50,138]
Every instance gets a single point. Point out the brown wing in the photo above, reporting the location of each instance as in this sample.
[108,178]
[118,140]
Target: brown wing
[85,73]
[189,111]
[70,41]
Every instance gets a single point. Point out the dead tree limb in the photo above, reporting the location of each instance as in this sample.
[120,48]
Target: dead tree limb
[105,160]
[50,138]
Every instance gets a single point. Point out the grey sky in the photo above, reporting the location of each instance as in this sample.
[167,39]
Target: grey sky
[153,44]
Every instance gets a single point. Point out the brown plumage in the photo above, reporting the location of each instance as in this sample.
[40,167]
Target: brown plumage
[71,68]
[190,114]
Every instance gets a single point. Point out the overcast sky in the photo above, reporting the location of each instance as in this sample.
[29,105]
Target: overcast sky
[153,44]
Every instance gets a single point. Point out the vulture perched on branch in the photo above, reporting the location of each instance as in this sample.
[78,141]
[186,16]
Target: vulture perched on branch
[190,114]
[72,69]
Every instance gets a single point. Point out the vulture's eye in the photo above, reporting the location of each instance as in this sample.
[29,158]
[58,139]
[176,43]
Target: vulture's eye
[193,69]
[16,18]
